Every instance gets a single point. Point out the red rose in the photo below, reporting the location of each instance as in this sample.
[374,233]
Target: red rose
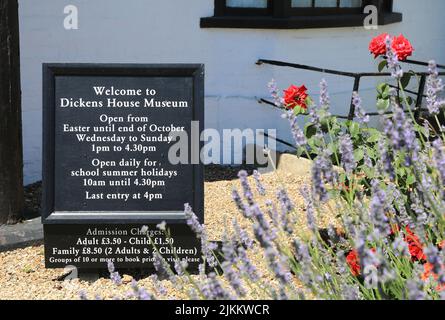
[295,96]
[402,47]
[353,262]
[415,247]
[428,273]
[377,46]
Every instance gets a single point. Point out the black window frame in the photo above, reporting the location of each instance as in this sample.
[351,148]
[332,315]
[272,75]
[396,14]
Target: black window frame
[280,14]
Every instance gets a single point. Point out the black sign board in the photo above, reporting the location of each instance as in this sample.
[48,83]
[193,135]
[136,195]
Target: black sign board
[107,177]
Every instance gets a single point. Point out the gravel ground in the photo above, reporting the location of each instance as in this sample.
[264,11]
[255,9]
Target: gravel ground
[23,276]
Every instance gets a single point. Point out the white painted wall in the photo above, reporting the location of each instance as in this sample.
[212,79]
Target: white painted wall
[167,31]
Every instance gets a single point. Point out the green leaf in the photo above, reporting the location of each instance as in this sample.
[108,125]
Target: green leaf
[354,129]
[382,104]
[382,65]
[371,153]
[375,137]
[359,154]
[370,172]
[298,110]
[383,90]
[405,80]
[310,130]
[333,147]
[410,179]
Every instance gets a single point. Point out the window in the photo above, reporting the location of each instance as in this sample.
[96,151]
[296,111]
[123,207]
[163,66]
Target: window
[294,14]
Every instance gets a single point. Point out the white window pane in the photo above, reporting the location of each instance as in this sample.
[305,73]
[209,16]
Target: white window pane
[350,3]
[247,3]
[302,3]
[326,3]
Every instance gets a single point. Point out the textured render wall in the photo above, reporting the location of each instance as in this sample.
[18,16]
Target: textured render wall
[167,31]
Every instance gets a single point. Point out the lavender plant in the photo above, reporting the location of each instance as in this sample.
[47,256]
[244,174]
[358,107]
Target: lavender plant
[386,187]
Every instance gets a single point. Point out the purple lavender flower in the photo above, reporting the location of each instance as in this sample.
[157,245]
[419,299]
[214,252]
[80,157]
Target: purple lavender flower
[202,269]
[434,87]
[192,220]
[181,267]
[402,135]
[297,133]
[400,247]
[304,259]
[241,234]
[325,101]
[110,266]
[393,60]
[347,153]
[323,170]
[314,117]
[259,216]
[367,160]
[341,262]
[310,214]
[83,295]
[234,279]
[350,293]
[400,203]
[415,290]
[207,248]
[246,266]
[439,158]
[286,203]
[216,290]
[243,208]
[160,288]
[242,175]
[273,213]
[193,294]
[425,182]
[318,182]
[259,184]
[280,294]
[278,264]
[327,167]
[261,235]
[140,293]
[301,251]
[418,207]
[360,113]
[114,276]
[386,160]
[160,265]
[378,209]
[205,288]
[229,251]
[287,207]
[275,93]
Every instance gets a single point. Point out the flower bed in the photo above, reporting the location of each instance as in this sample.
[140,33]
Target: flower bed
[385,186]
